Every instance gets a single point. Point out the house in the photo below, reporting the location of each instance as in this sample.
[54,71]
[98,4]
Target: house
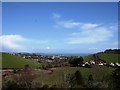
[24,56]
[87,63]
[83,65]
[100,64]
[92,62]
[112,64]
[35,60]
[117,64]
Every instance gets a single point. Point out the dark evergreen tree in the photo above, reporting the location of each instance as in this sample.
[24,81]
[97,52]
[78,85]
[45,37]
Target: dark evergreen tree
[76,61]
[90,80]
[115,84]
[94,56]
[79,78]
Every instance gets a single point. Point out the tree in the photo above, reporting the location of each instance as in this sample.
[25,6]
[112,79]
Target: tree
[114,51]
[79,78]
[26,78]
[90,80]
[115,84]
[94,56]
[76,61]
[74,79]
[71,80]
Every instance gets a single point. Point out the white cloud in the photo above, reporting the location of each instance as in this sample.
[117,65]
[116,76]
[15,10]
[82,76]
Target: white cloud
[11,41]
[89,26]
[76,25]
[71,24]
[18,42]
[68,24]
[90,36]
[87,33]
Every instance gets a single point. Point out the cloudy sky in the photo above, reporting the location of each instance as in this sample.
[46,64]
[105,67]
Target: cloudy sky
[59,27]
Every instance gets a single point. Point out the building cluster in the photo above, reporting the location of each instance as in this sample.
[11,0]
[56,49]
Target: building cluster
[60,59]
[44,59]
[100,63]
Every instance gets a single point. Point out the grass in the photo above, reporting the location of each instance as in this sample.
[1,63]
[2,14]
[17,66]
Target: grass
[99,73]
[11,61]
[104,56]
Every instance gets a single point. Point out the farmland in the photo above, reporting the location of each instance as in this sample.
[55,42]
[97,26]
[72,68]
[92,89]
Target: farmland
[11,61]
[101,76]
[105,56]
[99,73]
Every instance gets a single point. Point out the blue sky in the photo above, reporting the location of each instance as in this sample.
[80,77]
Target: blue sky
[59,27]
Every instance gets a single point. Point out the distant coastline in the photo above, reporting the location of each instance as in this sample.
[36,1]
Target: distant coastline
[54,54]
[65,54]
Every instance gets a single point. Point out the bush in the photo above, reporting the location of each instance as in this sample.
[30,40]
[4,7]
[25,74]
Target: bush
[53,87]
[36,85]
[45,87]
[88,66]
[10,85]
[115,82]
[79,78]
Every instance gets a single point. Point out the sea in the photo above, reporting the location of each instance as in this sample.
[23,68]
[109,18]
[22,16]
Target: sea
[65,54]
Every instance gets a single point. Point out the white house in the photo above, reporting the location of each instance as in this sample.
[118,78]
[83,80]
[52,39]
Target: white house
[118,64]
[92,62]
[100,64]
[112,64]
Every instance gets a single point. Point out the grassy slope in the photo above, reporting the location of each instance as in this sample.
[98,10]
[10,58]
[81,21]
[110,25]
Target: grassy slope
[11,61]
[57,77]
[106,57]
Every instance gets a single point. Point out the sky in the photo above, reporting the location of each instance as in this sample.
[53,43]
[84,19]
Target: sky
[61,27]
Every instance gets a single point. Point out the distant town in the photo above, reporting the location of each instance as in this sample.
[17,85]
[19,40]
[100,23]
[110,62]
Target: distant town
[61,59]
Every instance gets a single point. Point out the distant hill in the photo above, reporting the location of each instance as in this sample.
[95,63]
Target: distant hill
[12,61]
[111,51]
[108,55]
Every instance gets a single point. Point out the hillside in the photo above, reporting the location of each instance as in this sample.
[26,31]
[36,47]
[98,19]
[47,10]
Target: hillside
[57,76]
[11,61]
[104,56]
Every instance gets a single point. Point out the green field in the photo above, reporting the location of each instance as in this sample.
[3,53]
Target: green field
[104,56]
[99,73]
[11,61]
